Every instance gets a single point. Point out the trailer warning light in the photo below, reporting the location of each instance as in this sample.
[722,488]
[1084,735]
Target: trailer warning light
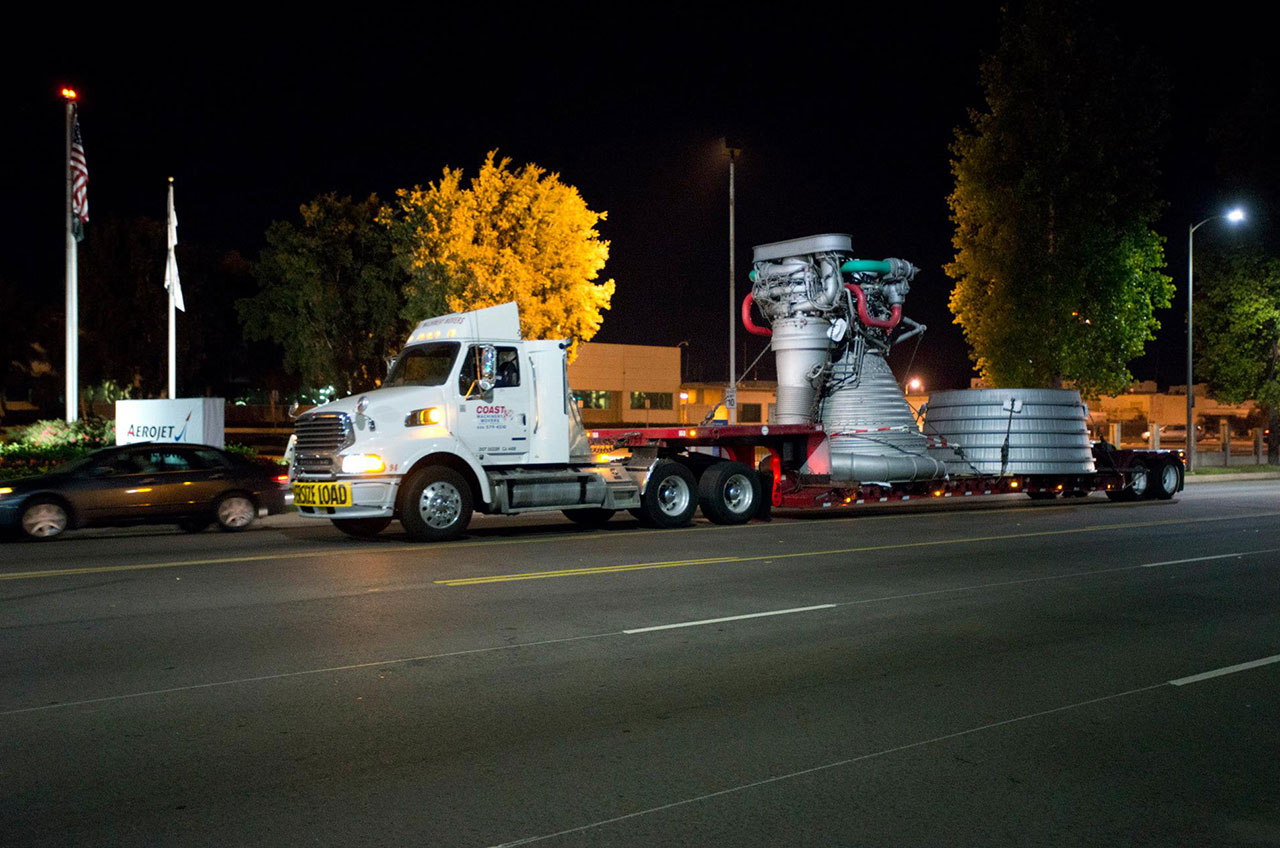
[1013,485]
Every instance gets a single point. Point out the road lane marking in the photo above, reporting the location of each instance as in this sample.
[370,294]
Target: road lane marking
[732,790]
[728,618]
[285,675]
[529,840]
[1207,558]
[601,569]
[777,555]
[1219,672]
[348,551]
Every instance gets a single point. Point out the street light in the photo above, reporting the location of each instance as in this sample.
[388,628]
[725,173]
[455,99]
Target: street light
[730,396]
[1235,216]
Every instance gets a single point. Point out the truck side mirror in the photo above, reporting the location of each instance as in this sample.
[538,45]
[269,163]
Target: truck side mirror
[488,368]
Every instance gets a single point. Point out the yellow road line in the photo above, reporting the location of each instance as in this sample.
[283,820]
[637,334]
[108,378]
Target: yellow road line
[641,566]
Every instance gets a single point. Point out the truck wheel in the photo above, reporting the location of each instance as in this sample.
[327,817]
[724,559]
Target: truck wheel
[1163,482]
[436,505]
[361,528]
[729,493]
[589,517]
[668,499]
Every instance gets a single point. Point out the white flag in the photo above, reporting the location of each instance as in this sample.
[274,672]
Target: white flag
[171,282]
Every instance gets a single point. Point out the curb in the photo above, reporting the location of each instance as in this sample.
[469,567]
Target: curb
[1193,477]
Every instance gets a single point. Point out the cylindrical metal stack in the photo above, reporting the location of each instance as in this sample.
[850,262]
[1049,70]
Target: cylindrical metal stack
[874,437]
[1046,431]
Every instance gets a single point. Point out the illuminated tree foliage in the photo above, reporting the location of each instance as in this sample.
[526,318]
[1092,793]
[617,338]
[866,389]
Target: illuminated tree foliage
[330,294]
[506,235]
[1057,267]
[1238,332]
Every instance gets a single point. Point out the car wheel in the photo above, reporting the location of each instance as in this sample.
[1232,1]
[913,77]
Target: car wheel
[436,504]
[361,528]
[44,520]
[668,499]
[194,523]
[234,513]
[729,493]
[589,517]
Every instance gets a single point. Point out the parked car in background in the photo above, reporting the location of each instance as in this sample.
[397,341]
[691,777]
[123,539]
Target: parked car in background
[1175,434]
[191,486]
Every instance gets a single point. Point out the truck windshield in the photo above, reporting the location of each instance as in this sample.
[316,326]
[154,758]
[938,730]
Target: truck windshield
[424,365]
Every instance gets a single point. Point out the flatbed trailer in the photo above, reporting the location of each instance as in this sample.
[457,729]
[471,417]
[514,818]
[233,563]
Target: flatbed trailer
[778,452]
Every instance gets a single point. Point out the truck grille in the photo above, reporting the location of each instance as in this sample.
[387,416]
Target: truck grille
[323,434]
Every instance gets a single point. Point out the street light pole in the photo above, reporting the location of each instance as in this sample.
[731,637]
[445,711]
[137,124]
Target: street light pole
[730,395]
[1235,216]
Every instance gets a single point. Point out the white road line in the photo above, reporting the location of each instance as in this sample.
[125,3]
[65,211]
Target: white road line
[1231,669]
[1207,558]
[727,618]
[529,840]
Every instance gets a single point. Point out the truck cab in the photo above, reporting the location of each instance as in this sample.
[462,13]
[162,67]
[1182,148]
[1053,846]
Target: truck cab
[470,416]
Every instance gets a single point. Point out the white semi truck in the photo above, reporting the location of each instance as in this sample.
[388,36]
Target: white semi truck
[473,417]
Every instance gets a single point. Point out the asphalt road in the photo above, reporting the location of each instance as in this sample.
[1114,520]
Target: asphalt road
[991,673]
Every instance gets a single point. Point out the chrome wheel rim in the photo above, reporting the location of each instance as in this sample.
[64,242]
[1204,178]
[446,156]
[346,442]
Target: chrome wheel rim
[44,520]
[1140,481]
[673,496]
[738,493]
[440,505]
[235,512]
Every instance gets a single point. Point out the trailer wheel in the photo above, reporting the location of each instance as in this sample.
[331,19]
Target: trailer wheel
[1163,482]
[436,505]
[361,528]
[1139,479]
[668,499]
[729,493]
[589,517]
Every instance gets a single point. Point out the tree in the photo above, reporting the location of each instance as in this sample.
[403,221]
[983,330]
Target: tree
[508,235]
[1238,333]
[330,294]
[1057,266]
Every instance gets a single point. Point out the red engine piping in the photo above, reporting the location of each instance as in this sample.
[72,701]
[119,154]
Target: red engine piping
[752,327]
[865,317]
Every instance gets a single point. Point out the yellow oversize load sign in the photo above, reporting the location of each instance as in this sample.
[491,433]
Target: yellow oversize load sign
[322,494]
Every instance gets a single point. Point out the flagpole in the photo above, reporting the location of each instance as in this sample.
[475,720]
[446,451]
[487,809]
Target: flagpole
[73,314]
[174,287]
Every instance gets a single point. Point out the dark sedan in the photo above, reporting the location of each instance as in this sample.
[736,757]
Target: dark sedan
[192,486]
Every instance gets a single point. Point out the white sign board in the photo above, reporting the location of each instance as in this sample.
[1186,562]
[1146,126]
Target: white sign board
[195,420]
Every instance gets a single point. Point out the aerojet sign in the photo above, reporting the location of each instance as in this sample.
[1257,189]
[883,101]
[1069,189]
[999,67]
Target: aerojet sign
[194,420]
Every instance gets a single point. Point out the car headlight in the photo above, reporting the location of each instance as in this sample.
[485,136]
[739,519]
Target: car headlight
[364,463]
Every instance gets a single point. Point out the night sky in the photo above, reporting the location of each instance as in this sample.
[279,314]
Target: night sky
[844,120]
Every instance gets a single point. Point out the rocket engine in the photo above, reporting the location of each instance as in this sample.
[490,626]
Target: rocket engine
[831,318]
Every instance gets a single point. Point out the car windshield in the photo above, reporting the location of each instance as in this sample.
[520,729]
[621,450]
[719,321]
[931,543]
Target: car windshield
[424,365]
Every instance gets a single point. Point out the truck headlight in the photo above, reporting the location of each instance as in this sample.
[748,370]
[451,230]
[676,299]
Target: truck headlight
[364,463]
[423,417]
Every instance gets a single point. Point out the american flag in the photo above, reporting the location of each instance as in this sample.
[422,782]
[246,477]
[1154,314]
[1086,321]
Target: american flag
[79,182]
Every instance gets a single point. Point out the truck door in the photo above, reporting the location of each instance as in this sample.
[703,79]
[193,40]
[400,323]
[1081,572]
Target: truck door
[495,424]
